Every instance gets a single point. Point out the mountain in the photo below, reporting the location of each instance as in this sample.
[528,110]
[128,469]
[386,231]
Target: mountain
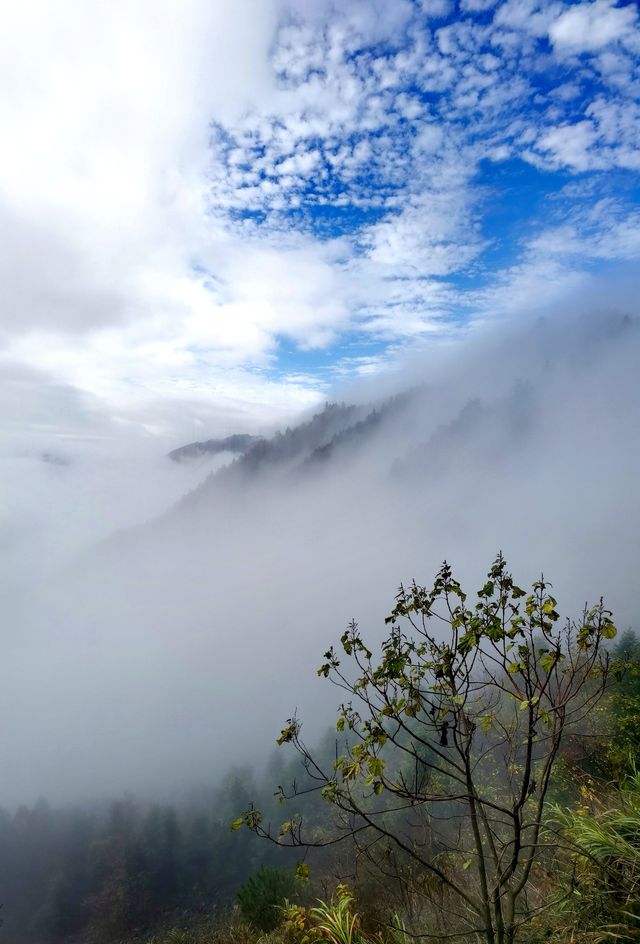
[238,443]
[288,451]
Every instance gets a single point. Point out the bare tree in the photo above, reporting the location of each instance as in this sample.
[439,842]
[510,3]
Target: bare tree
[448,742]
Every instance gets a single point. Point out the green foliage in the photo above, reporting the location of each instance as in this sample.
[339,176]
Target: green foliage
[624,704]
[336,921]
[262,896]
[596,893]
[608,839]
[208,932]
[332,922]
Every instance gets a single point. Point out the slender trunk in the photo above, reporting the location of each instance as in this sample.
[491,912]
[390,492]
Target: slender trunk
[509,911]
[489,932]
[486,901]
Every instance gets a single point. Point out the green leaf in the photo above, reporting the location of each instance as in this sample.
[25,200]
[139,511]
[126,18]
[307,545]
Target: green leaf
[548,660]
[302,872]
[467,642]
[376,766]
[352,770]
[330,792]
[237,824]
[288,733]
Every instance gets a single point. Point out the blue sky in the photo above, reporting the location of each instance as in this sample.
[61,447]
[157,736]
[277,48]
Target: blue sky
[236,208]
[454,149]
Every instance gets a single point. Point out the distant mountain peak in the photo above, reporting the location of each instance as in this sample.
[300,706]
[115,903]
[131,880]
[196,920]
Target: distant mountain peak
[239,443]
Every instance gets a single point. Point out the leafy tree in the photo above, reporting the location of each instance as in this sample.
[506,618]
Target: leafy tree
[448,740]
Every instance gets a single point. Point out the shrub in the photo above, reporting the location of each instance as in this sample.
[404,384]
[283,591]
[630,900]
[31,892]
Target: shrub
[262,896]
[333,922]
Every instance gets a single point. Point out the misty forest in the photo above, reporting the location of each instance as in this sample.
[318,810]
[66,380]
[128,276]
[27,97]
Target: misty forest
[320,472]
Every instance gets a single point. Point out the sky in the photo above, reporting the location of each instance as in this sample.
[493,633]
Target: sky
[213,213]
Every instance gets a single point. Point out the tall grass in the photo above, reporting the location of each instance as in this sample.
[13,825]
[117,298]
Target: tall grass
[604,844]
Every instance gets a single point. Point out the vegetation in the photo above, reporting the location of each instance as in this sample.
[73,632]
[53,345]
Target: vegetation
[481,784]
[600,840]
[262,897]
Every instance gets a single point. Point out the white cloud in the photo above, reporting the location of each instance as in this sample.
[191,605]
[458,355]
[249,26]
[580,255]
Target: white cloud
[528,16]
[104,185]
[586,27]
[570,145]
[435,235]
[477,6]
[608,136]
[556,262]
[437,9]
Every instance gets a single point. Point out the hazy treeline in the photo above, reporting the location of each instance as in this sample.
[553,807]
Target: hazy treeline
[123,867]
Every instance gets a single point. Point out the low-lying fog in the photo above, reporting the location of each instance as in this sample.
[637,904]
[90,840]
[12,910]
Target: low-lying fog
[152,660]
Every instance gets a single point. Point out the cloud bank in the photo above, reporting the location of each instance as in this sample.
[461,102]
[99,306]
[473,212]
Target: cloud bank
[153,660]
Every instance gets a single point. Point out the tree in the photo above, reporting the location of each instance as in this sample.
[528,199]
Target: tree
[447,745]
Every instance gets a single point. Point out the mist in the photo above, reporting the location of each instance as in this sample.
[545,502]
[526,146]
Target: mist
[162,619]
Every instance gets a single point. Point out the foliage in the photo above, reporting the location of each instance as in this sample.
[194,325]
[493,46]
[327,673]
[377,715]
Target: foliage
[601,839]
[471,723]
[334,922]
[262,896]
[624,705]
[233,932]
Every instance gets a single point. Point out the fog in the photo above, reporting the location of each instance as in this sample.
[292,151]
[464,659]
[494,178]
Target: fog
[151,641]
